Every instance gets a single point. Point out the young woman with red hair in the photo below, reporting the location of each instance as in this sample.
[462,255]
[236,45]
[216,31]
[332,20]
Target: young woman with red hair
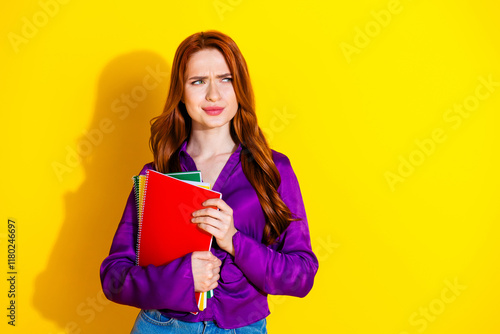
[262,244]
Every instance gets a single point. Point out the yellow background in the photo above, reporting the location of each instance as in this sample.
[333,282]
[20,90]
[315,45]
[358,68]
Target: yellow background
[388,252]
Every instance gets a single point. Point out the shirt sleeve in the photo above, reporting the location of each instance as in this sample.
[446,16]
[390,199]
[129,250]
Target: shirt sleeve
[289,266]
[169,286]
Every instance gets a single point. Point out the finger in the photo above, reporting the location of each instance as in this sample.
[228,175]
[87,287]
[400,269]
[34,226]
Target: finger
[208,285]
[212,279]
[210,229]
[213,285]
[221,222]
[208,212]
[203,255]
[216,263]
[218,202]
[211,225]
[217,223]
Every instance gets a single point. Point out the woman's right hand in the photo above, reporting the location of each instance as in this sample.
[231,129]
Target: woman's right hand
[206,268]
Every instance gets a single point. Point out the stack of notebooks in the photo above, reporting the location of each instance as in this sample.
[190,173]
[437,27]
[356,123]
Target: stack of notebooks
[165,203]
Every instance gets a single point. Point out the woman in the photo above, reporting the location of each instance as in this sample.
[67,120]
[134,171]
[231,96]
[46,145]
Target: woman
[261,238]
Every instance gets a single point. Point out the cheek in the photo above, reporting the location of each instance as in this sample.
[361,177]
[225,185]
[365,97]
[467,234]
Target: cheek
[229,95]
[191,102]
[193,95]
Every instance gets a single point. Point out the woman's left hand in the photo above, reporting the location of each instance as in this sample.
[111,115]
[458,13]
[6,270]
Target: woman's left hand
[219,223]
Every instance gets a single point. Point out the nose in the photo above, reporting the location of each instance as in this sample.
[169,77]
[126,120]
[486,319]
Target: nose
[213,92]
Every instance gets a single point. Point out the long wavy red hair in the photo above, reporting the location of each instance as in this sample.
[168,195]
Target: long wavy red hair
[173,126]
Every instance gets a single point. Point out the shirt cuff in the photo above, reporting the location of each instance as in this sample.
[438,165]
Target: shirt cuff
[251,257]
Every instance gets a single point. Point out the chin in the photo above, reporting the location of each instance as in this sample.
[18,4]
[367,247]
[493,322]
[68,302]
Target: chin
[215,124]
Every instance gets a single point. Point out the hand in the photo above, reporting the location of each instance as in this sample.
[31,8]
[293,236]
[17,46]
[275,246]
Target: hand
[219,223]
[206,268]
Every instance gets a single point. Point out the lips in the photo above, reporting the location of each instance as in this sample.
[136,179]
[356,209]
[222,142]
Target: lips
[213,111]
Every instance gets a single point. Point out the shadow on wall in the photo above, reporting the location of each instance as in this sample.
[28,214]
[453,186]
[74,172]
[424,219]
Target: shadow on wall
[132,89]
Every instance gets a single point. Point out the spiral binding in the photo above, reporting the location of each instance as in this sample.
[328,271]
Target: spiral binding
[137,191]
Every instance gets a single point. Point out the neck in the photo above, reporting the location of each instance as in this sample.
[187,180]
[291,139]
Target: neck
[209,143]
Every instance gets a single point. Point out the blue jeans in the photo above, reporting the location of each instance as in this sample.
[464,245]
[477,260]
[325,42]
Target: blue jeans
[154,322]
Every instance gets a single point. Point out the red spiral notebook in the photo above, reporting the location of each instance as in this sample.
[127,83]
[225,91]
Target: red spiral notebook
[166,232]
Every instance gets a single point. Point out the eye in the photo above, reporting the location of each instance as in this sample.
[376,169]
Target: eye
[228,79]
[195,82]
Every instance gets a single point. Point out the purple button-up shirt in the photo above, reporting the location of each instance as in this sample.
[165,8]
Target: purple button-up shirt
[285,268]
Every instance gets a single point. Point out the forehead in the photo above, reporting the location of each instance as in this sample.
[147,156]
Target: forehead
[206,60]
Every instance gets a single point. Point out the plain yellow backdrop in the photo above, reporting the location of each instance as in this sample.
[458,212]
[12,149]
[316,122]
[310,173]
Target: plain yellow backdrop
[388,111]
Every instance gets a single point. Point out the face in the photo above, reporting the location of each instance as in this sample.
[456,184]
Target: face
[208,90]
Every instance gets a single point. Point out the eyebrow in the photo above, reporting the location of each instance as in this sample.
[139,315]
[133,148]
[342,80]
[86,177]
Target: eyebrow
[218,76]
